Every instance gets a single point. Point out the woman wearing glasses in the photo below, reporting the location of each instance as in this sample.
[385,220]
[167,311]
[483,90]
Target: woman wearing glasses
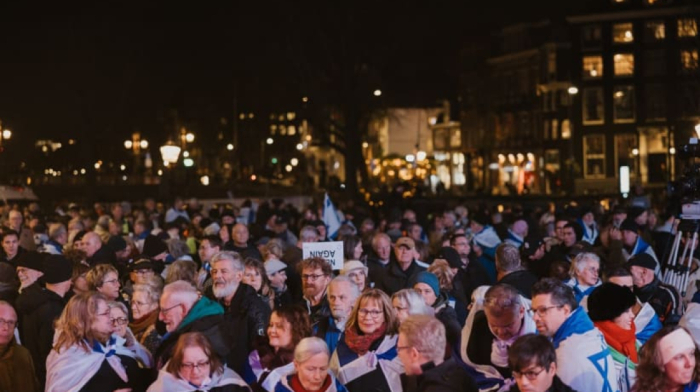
[104,279]
[120,321]
[144,309]
[86,356]
[274,353]
[196,367]
[366,359]
[584,275]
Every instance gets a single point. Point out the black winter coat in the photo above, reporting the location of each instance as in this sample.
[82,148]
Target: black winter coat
[448,376]
[395,279]
[38,308]
[557,386]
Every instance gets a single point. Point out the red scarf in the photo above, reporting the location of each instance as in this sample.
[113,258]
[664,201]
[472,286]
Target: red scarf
[295,383]
[360,342]
[622,340]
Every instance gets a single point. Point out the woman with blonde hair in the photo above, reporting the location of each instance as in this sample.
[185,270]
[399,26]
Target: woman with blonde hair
[311,357]
[86,356]
[366,358]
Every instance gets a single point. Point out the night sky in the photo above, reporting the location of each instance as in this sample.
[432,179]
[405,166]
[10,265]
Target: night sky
[98,73]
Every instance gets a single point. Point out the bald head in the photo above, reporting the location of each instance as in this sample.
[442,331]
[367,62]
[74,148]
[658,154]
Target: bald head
[91,243]
[240,235]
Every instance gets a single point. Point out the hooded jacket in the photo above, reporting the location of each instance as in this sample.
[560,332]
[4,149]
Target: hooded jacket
[38,308]
[206,316]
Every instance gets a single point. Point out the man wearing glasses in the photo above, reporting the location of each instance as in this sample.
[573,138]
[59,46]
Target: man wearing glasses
[16,367]
[584,360]
[315,277]
[534,365]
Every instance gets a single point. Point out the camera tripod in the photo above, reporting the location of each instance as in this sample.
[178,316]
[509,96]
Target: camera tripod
[678,268]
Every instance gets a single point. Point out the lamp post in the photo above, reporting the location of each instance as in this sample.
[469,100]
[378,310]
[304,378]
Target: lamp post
[571,160]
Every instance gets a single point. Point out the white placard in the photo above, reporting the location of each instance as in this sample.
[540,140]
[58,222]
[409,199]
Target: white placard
[331,251]
[624,179]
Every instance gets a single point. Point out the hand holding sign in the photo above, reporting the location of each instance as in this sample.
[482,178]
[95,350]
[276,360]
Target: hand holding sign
[332,252]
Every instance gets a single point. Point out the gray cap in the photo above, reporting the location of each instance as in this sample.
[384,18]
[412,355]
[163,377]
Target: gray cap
[272,266]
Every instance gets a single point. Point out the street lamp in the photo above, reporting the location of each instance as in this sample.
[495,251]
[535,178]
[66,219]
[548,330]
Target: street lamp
[269,140]
[377,93]
[6,134]
[573,90]
[170,153]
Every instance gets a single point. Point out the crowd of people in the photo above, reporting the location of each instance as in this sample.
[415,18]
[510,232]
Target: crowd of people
[147,297]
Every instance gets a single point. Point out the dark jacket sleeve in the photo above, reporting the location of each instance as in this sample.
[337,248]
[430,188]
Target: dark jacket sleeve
[258,316]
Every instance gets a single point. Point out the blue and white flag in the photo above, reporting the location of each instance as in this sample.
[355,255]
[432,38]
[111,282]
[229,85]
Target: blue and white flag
[330,217]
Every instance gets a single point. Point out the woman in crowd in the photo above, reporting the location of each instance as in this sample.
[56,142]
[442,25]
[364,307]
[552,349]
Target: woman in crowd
[104,279]
[196,367]
[181,270]
[610,307]
[357,272]
[273,250]
[352,247]
[273,356]
[311,357]
[256,277]
[427,285]
[670,362]
[365,358]
[119,316]
[584,274]
[144,309]
[407,302]
[80,284]
[86,356]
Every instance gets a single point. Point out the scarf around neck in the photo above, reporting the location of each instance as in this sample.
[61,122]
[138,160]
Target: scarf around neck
[622,340]
[141,325]
[297,386]
[360,342]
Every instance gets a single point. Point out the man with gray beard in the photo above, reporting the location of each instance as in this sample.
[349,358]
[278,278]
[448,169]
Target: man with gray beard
[342,294]
[246,315]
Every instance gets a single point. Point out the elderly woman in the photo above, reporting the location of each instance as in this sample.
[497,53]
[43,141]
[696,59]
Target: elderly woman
[357,272]
[255,276]
[86,356]
[610,307]
[311,373]
[584,274]
[196,367]
[366,358]
[144,309]
[408,302]
[273,356]
[104,279]
[119,316]
[669,361]
[428,286]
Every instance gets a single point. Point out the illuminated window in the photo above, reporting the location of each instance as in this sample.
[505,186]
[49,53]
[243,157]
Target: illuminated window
[273,129]
[622,33]
[555,129]
[593,106]
[591,36]
[654,31]
[687,27]
[592,67]
[624,64]
[594,156]
[625,145]
[689,60]
[620,1]
[623,104]
[566,129]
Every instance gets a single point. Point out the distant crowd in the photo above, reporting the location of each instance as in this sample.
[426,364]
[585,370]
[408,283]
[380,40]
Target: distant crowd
[153,297]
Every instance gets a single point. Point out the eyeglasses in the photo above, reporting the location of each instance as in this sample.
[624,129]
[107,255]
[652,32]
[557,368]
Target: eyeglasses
[9,323]
[139,304]
[164,312]
[542,311]
[119,321]
[191,366]
[370,313]
[111,281]
[311,277]
[530,375]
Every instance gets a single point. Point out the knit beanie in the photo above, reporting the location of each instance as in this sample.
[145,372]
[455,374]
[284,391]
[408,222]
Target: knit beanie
[608,301]
[430,279]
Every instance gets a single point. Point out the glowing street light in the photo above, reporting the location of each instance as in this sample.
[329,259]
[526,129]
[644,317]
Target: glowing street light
[294,161]
[144,144]
[573,90]
[189,137]
[128,144]
[170,153]
[6,134]
[229,147]
[377,93]
[300,146]
[269,140]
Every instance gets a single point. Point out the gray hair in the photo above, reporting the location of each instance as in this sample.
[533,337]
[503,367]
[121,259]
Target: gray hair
[414,302]
[56,230]
[308,347]
[183,292]
[502,299]
[308,234]
[233,257]
[426,334]
[507,258]
[118,305]
[354,290]
[579,262]
[150,290]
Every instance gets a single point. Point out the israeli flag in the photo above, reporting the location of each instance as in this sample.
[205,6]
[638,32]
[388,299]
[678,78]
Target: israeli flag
[330,217]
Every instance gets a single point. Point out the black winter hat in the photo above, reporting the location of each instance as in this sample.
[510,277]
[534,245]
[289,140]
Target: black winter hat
[153,246]
[450,254]
[630,225]
[480,218]
[642,260]
[32,260]
[608,301]
[116,243]
[57,269]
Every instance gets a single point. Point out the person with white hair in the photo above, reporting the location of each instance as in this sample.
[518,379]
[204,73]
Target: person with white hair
[342,294]
[408,302]
[183,310]
[357,272]
[311,369]
[585,275]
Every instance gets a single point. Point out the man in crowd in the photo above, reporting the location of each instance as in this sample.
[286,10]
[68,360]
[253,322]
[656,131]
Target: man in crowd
[183,310]
[208,247]
[246,315]
[315,276]
[240,235]
[509,270]
[15,221]
[634,244]
[58,237]
[402,271]
[649,289]
[485,242]
[517,233]
[96,252]
[11,248]
[17,371]
[585,363]
[534,364]
[421,349]
[29,269]
[342,293]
